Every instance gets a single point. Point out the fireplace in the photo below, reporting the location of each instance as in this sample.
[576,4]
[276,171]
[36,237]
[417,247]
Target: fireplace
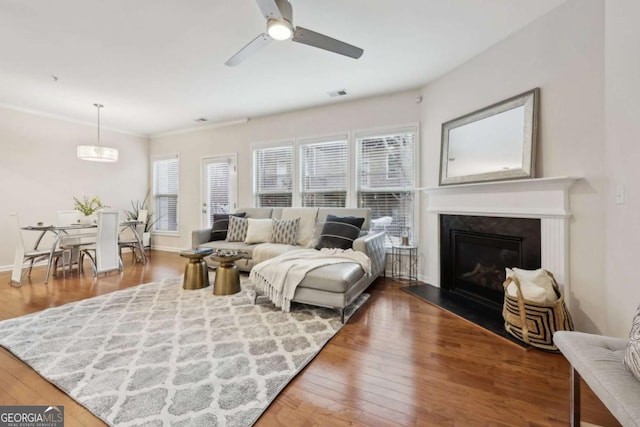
[475,250]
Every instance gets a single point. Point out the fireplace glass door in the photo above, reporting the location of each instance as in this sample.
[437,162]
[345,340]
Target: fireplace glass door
[480,263]
[475,250]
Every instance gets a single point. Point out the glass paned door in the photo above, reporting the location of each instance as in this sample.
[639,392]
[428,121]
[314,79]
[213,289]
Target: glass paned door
[219,187]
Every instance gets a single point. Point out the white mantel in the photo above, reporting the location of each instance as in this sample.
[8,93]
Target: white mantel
[544,198]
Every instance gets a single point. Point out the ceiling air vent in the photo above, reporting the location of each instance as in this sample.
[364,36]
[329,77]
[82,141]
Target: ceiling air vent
[341,92]
[201,120]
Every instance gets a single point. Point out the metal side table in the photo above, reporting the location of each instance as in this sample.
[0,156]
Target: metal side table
[196,272]
[404,256]
[227,281]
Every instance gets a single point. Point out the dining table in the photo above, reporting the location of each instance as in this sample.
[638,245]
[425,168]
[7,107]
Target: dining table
[62,231]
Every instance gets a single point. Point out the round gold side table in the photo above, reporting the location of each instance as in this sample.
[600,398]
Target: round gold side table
[227,281]
[196,272]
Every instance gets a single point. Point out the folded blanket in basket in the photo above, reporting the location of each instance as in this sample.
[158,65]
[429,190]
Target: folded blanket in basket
[535,285]
[279,277]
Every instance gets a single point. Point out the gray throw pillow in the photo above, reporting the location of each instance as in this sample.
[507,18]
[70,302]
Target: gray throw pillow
[632,354]
[221,225]
[340,232]
[237,229]
[285,231]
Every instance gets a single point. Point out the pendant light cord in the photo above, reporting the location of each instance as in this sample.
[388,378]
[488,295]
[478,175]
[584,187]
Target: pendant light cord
[98,106]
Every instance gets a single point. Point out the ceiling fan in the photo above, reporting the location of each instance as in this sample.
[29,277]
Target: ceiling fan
[279,16]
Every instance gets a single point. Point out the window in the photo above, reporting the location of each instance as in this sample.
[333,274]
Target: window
[385,173]
[323,173]
[369,169]
[273,174]
[165,193]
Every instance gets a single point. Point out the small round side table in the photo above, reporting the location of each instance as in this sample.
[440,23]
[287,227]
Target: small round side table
[410,254]
[227,281]
[196,272]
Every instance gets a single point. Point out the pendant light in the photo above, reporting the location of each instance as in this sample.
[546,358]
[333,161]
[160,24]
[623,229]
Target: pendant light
[97,153]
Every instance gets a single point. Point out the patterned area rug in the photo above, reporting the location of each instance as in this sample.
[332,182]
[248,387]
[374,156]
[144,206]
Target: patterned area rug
[156,354]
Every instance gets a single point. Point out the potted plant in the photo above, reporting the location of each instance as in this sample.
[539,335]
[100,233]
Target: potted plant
[88,207]
[134,214]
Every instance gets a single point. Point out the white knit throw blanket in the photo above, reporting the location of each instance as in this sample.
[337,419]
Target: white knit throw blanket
[278,277]
[265,251]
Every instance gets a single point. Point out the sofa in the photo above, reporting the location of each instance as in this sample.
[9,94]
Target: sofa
[332,286]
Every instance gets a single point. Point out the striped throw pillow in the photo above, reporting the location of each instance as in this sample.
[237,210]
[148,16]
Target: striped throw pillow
[285,231]
[340,232]
[237,229]
[221,225]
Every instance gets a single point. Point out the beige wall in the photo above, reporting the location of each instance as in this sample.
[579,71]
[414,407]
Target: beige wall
[40,174]
[388,110]
[562,53]
[622,68]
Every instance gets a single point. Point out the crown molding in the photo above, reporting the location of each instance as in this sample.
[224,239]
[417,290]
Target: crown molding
[69,120]
[200,128]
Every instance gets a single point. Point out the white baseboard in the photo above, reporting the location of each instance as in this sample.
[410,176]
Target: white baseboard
[9,267]
[166,248]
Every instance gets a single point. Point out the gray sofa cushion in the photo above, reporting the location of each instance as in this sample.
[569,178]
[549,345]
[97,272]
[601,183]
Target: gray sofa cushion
[333,278]
[257,213]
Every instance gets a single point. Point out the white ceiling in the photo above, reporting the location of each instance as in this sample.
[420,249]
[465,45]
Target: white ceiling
[157,65]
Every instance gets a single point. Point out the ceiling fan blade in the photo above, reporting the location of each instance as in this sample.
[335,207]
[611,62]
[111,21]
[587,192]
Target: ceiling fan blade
[255,44]
[311,38]
[269,9]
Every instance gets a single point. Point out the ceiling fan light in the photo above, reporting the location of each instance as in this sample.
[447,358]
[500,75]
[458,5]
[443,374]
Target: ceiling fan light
[279,29]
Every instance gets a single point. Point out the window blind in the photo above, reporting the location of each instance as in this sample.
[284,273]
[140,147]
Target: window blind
[323,173]
[218,188]
[273,172]
[165,193]
[386,178]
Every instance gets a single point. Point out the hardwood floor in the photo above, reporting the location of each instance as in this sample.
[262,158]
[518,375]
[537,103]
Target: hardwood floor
[398,362]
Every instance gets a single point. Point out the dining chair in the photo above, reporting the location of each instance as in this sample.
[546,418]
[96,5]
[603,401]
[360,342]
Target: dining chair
[104,253]
[23,255]
[143,217]
[70,242]
[134,240]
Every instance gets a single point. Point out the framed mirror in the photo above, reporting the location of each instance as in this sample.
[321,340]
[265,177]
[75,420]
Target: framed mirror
[495,143]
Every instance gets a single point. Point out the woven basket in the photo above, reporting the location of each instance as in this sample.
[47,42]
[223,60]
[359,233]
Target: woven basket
[535,322]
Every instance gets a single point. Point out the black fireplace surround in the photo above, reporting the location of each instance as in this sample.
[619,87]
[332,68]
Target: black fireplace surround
[475,250]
